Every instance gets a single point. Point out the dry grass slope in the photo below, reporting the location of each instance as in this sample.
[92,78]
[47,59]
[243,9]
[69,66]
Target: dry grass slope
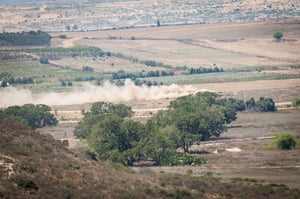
[34,166]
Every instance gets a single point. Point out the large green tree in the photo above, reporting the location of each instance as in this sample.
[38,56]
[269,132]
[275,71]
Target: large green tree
[98,112]
[125,141]
[35,116]
[196,118]
[114,136]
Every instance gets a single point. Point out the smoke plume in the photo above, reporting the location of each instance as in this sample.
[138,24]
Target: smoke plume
[91,93]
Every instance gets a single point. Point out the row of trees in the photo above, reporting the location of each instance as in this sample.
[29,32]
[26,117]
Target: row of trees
[123,75]
[139,82]
[25,38]
[58,53]
[112,135]
[64,83]
[35,116]
[261,105]
[87,69]
[7,79]
[205,70]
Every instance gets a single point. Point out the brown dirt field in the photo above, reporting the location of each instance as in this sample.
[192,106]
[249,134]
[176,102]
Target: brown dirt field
[279,90]
[229,45]
[205,31]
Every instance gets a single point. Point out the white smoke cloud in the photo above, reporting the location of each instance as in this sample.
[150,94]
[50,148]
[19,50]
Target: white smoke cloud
[90,93]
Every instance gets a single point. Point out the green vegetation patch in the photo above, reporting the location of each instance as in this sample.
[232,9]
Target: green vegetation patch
[284,141]
[31,38]
[296,102]
[221,77]
[113,136]
[171,158]
[35,116]
[38,71]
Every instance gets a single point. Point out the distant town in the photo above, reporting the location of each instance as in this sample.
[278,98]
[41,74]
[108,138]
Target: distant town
[117,14]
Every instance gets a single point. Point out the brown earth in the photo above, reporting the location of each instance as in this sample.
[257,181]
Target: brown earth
[227,45]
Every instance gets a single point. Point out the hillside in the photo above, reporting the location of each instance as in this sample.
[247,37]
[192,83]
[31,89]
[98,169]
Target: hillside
[109,14]
[34,166]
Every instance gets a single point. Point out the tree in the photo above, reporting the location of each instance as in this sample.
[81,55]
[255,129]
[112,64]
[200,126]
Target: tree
[63,83]
[70,83]
[35,116]
[158,23]
[278,36]
[99,111]
[195,118]
[87,69]
[68,27]
[284,141]
[114,136]
[125,141]
[250,104]
[296,102]
[107,108]
[75,27]
[44,60]
[262,105]
[3,83]
[265,105]
[239,105]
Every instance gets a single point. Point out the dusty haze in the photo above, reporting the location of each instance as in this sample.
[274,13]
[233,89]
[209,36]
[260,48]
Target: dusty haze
[91,93]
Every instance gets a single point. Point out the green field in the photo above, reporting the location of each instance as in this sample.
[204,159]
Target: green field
[246,52]
[221,77]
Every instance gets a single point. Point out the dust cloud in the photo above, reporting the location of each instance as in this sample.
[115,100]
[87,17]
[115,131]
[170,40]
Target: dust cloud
[90,93]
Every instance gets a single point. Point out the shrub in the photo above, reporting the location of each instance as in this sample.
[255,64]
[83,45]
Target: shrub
[25,182]
[62,36]
[284,141]
[178,193]
[296,102]
[278,36]
[171,158]
[44,60]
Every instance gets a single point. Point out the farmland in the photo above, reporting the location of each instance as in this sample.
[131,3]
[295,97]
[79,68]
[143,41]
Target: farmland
[254,55]
[96,48]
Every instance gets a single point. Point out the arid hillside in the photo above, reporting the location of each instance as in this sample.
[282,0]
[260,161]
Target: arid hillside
[34,166]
